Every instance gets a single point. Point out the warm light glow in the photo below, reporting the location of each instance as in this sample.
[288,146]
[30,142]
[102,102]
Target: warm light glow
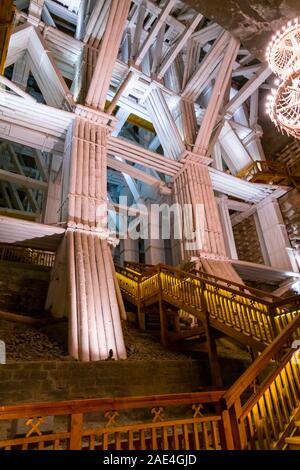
[283,55]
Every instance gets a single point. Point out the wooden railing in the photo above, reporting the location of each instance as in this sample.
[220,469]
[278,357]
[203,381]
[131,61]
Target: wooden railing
[148,269]
[257,412]
[168,422]
[261,415]
[237,312]
[270,171]
[24,255]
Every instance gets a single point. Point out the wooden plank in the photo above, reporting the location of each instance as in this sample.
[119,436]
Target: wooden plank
[76,427]
[18,318]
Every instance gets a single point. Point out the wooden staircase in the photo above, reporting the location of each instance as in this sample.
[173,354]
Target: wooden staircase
[250,316]
[293,441]
[272,172]
[260,411]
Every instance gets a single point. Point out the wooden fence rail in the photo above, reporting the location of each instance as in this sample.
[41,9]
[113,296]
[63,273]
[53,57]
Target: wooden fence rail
[263,419]
[175,422]
[233,309]
[257,412]
[24,255]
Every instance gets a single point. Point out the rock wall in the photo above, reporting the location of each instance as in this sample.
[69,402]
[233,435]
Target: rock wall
[30,382]
[54,380]
[247,242]
[290,209]
[23,288]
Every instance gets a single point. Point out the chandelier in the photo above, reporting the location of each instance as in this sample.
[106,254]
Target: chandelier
[283,55]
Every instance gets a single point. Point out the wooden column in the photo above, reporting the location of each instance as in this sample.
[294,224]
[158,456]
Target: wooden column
[192,185]
[164,124]
[52,205]
[56,302]
[129,250]
[95,324]
[154,244]
[276,240]
[162,313]
[227,228]
[107,55]
[215,369]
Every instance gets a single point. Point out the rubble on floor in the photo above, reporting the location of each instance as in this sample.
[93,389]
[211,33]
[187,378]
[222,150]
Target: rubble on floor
[27,343]
[142,346]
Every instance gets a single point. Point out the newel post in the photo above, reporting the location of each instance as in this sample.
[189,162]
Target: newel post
[162,311]
[274,328]
[214,364]
[237,426]
[76,428]
[141,315]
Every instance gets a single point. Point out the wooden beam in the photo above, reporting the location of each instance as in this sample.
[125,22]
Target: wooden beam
[22,181]
[135,173]
[107,55]
[217,96]
[179,44]
[207,69]
[18,318]
[246,91]
[154,31]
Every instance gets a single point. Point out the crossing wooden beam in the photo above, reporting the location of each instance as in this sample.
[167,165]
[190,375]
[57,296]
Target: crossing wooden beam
[23,181]
[179,44]
[154,31]
[7,10]
[246,91]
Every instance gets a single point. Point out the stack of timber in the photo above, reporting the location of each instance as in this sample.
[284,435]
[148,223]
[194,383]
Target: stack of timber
[290,155]
[25,341]
[247,242]
[290,208]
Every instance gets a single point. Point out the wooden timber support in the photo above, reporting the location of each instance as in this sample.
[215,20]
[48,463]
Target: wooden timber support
[252,317]
[261,421]
[7,11]
[215,370]
[162,312]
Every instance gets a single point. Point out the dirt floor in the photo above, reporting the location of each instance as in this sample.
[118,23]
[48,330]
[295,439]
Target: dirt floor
[49,342]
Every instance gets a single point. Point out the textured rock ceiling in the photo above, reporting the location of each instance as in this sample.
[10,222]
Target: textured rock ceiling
[254,23]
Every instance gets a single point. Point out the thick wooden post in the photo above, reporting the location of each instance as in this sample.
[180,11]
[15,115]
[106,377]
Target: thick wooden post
[237,427]
[141,314]
[226,436]
[76,423]
[162,312]
[95,303]
[214,364]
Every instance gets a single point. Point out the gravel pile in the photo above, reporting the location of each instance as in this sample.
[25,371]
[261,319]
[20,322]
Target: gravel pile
[27,343]
[143,346]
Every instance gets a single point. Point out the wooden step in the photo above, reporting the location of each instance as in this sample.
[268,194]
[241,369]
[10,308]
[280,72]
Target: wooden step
[20,318]
[189,346]
[293,442]
[189,333]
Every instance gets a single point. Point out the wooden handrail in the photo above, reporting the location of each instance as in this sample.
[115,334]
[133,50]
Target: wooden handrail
[104,404]
[250,403]
[237,389]
[26,255]
[250,319]
[217,284]
[201,274]
[207,277]
[291,300]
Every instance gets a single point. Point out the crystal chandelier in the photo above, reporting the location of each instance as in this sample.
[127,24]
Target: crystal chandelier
[283,55]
